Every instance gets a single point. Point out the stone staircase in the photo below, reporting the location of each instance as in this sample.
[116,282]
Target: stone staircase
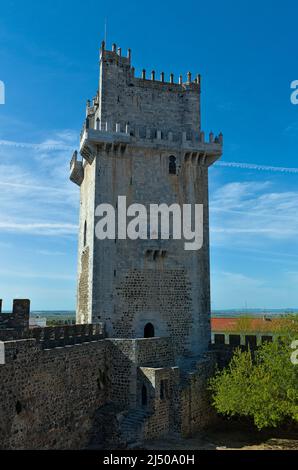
[132,424]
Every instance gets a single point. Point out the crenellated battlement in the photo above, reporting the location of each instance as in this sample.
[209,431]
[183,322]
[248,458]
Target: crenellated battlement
[18,318]
[15,326]
[116,137]
[67,335]
[57,336]
[125,103]
[241,339]
[17,347]
[115,57]
[130,112]
[143,133]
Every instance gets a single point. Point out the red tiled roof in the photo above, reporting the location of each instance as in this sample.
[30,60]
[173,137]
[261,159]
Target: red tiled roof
[229,324]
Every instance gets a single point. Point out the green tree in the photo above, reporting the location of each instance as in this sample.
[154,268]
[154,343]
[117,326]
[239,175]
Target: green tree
[264,388]
[243,324]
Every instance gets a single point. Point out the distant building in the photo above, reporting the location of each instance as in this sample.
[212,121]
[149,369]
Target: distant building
[37,322]
[243,331]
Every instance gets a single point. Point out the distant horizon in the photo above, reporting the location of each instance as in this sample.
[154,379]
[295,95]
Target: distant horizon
[234,310]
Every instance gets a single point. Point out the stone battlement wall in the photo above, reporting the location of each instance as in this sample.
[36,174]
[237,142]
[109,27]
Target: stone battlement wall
[224,344]
[18,318]
[243,339]
[124,98]
[57,336]
[154,352]
[115,57]
[106,131]
[48,398]
[15,326]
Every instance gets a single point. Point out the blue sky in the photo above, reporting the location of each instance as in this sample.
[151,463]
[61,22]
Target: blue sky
[247,56]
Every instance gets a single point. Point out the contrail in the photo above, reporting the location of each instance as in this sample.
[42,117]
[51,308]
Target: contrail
[253,166]
[42,146]
[55,189]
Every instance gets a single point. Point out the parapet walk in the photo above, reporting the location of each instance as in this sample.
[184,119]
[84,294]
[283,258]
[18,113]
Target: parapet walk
[15,326]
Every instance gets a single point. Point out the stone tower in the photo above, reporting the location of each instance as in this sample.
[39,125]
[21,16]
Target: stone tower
[142,139]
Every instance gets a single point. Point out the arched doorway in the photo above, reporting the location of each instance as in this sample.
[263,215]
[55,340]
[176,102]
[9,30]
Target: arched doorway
[149,331]
[144,396]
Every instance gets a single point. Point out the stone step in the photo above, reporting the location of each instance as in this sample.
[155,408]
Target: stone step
[131,424]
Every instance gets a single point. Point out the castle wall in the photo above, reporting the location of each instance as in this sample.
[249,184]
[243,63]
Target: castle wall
[126,356]
[195,408]
[54,336]
[154,352]
[72,396]
[19,318]
[179,401]
[161,402]
[48,397]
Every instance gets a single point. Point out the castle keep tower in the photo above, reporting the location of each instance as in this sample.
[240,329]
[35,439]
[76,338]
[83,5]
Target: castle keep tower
[142,139]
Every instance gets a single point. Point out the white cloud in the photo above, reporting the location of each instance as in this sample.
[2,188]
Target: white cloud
[49,252]
[251,212]
[37,275]
[292,129]
[39,228]
[47,145]
[36,194]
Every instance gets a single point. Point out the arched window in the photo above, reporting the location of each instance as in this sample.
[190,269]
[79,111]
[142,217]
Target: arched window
[144,395]
[149,331]
[18,407]
[85,233]
[172,165]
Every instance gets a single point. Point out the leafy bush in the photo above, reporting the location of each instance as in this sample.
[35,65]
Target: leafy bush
[264,388]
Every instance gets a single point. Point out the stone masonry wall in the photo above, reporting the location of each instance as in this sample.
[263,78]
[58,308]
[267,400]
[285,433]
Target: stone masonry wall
[56,336]
[131,287]
[48,398]
[133,283]
[149,103]
[154,352]
[195,408]
[85,248]
[125,357]
[83,288]
[161,422]
[18,319]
